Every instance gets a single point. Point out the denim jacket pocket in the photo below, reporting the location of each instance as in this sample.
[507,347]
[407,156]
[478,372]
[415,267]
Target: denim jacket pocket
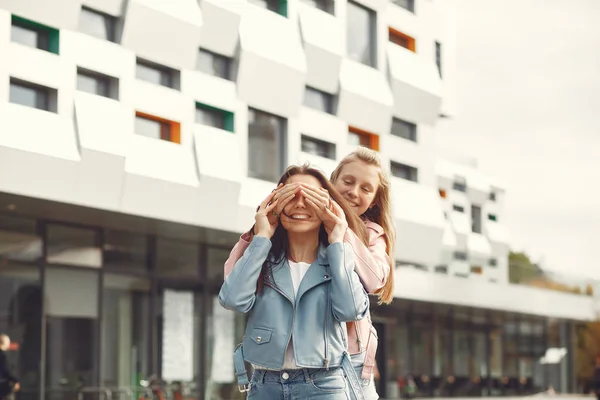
[261,335]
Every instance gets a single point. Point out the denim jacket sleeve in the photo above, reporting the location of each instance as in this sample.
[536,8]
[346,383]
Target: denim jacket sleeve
[236,253]
[349,300]
[238,292]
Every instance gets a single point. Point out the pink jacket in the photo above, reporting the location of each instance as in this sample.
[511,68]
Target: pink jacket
[372,265]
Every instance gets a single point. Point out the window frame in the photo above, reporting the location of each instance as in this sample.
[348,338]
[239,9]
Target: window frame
[412,129]
[281,137]
[327,98]
[395,36]
[330,154]
[174,132]
[50,95]
[48,34]
[228,117]
[227,74]
[413,172]
[371,138]
[171,75]
[112,83]
[109,20]
[372,34]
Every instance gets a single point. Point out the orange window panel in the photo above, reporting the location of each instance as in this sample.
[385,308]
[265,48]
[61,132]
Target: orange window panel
[476,270]
[402,39]
[366,139]
[169,130]
[442,193]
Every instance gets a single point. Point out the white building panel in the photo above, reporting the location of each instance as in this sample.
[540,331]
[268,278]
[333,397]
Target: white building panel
[323,37]
[210,90]
[416,85]
[365,98]
[272,67]
[417,285]
[48,13]
[479,249]
[110,7]
[419,218]
[176,42]
[221,24]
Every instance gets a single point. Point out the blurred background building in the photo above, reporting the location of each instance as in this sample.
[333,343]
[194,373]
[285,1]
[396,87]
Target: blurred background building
[137,138]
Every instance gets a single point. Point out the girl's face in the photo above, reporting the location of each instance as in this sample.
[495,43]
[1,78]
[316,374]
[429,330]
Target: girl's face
[297,215]
[358,183]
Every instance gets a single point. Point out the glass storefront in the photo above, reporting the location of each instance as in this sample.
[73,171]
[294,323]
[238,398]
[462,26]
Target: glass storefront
[452,351]
[88,307]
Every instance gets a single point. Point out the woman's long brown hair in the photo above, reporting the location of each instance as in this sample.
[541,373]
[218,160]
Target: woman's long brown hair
[280,245]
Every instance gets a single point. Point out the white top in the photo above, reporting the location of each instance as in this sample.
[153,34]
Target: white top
[297,270]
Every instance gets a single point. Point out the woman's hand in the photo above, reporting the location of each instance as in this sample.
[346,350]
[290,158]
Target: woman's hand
[336,214]
[319,200]
[285,194]
[266,222]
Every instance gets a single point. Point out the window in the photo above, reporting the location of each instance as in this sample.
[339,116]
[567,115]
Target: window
[493,262]
[460,184]
[475,269]
[460,255]
[157,74]
[97,24]
[492,196]
[404,171]
[458,208]
[213,64]
[212,116]
[278,6]
[406,4]
[323,5]
[157,128]
[177,259]
[441,269]
[476,219]
[318,100]
[358,137]
[97,83]
[32,34]
[318,147]
[492,217]
[404,129]
[73,246]
[442,193]
[361,34]
[125,252]
[33,95]
[402,40]
[267,145]
[438,57]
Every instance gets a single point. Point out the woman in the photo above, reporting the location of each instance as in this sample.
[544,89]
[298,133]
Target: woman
[296,279]
[366,188]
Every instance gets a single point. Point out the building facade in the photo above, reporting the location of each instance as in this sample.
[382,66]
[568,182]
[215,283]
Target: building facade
[137,138]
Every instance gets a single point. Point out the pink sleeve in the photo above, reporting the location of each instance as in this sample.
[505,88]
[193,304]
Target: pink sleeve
[372,264]
[237,252]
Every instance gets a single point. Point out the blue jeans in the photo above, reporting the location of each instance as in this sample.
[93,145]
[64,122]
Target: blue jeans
[296,384]
[368,386]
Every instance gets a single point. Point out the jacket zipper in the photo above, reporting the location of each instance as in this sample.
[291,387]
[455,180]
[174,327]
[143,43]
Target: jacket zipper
[326,361]
[287,343]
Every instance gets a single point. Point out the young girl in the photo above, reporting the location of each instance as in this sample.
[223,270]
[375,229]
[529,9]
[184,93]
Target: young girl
[360,179]
[296,279]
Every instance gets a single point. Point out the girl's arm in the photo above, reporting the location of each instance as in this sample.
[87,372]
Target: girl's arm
[349,300]
[372,264]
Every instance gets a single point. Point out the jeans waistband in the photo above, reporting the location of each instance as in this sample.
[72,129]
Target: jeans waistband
[295,375]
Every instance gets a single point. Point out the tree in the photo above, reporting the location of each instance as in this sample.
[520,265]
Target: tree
[588,346]
[521,269]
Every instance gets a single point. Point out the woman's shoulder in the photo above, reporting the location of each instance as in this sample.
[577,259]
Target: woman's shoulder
[374,226]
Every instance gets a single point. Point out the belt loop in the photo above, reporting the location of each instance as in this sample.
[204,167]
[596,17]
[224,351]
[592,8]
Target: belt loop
[261,375]
[307,377]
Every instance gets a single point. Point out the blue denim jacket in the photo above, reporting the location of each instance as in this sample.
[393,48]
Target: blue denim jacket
[329,295]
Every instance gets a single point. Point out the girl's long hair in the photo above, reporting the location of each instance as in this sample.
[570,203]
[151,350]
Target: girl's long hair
[280,245]
[380,213]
